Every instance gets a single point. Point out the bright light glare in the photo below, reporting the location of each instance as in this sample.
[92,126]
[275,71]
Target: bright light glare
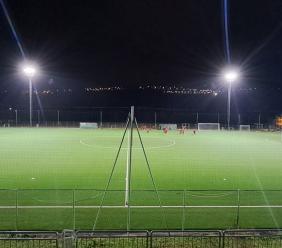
[29,70]
[231,76]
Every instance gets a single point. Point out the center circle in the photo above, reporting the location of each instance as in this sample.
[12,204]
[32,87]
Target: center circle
[108,142]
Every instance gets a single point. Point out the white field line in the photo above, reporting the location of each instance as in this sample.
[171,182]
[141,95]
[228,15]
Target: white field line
[120,206]
[172,143]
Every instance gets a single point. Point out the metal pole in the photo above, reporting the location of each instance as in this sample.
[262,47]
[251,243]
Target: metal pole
[155,120]
[30,102]
[58,117]
[127,170]
[239,119]
[129,167]
[197,118]
[218,117]
[111,175]
[238,208]
[228,105]
[259,121]
[73,206]
[38,116]
[183,210]
[183,216]
[101,118]
[17,210]
[16,112]
[129,156]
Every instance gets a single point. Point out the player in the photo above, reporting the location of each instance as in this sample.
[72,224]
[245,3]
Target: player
[182,130]
[165,130]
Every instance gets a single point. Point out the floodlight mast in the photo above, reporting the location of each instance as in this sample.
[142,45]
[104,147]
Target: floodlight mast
[29,71]
[230,77]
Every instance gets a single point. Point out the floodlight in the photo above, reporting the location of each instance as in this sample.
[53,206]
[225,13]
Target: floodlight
[29,70]
[231,75]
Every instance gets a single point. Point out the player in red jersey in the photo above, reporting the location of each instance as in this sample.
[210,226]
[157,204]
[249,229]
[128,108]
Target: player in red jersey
[165,130]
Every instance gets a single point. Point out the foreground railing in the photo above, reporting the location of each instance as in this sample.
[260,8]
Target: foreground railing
[267,238]
[180,210]
[32,239]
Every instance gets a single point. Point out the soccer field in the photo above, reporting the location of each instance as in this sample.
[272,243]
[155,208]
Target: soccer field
[53,178]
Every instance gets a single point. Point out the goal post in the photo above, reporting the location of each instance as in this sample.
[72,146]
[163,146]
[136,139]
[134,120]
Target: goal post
[245,128]
[169,126]
[88,125]
[208,126]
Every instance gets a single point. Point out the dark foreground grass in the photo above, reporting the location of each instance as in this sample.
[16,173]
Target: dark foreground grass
[59,175]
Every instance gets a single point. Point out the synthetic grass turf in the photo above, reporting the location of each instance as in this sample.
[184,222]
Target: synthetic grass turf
[66,159]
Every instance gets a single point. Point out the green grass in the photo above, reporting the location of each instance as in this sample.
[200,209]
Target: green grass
[46,165]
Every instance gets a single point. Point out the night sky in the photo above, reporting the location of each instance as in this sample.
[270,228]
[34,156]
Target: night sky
[132,42]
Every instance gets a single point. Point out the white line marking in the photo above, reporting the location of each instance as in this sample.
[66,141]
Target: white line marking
[152,206]
[147,148]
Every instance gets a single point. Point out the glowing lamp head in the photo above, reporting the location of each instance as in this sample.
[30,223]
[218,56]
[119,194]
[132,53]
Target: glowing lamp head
[230,76]
[29,70]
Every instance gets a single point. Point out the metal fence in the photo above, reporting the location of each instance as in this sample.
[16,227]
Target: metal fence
[252,238]
[85,239]
[267,238]
[77,209]
[29,239]
[115,116]
[175,239]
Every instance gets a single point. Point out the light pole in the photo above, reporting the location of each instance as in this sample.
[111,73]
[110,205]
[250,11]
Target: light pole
[230,76]
[16,112]
[30,71]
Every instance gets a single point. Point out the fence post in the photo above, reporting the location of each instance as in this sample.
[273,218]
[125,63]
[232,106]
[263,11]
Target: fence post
[238,208]
[147,239]
[17,212]
[183,211]
[155,120]
[69,239]
[222,236]
[101,118]
[58,117]
[73,207]
[16,112]
[151,239]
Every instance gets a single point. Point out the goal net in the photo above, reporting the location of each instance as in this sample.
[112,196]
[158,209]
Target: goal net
[185,125]
[208,126]
[245,128]
[88,125]
[168,126]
